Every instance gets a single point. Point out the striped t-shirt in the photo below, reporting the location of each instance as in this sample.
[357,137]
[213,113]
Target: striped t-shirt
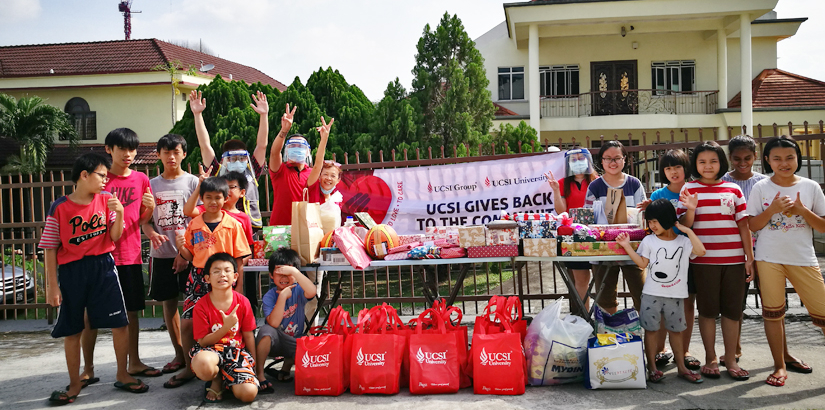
[720,207]
[747,184]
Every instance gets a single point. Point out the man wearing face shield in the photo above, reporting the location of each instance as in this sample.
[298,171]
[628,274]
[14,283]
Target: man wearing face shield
[289,168]
[235,156]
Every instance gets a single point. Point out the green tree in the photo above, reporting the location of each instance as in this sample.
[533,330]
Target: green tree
[34,125]
[522,133]
[397,121]
[450,85]
[175,69]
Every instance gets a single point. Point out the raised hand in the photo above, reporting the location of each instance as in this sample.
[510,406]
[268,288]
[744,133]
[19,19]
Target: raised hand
[196,102]
[690,201]
[324,129]
[204,174]
[157,239]
[781,203]
[643,205]
[286,119]
[623,239]
[115,205]
[798,207]
[358,203]
[261,106]
[287,271]
[231,319]
[554,185]
[148,201]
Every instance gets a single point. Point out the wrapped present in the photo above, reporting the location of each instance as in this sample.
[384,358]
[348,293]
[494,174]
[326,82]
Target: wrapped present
[432,233]
[424,252]
[472,236]
[258,262]
[276,237]
[502,233]
[584,216]
[396,256]
[614,226]
[446,242]
[594,248]
[527,216]
[635,234]
[404,248]
[541,247]
[536,229]
[352,247]
[332,256]
[259,249]
[405,239]
[582,233]
[565,225]
[492,251]
[451,253]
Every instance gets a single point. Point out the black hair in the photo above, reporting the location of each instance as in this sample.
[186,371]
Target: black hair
[236,176]
[742,141]
[613,144]
[284,256]
[215,184]
[89,163]
[673,158]
[709,146]
[662,211]
[234,145]
[780,142]
[123,138]
[171,141]
[219,257]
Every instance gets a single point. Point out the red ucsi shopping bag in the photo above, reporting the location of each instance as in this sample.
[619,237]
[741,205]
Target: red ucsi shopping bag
[514,314]
[460,333]
[396,326]
[498,362]
[434,360]
[321,367]
[376,357]
[508,309]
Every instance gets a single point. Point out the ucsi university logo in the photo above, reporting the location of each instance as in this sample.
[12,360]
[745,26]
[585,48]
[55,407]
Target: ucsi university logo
[495,358]
[321,360]
[431,357]
[370,359]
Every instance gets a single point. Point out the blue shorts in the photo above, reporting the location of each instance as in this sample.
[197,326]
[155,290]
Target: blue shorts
[89,285]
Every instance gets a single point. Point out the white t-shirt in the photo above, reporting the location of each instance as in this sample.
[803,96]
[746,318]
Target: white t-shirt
[667,271]
[787,239]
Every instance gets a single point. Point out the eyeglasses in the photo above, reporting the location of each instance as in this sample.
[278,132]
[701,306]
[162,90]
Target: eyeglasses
[234,187]
[102,176]
[329,163]
[613,160]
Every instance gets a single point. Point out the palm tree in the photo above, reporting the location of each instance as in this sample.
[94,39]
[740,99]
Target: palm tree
[34,125]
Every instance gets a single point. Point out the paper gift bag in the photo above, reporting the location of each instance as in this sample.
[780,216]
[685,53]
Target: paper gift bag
[616,365]
[615,208]
[307,232]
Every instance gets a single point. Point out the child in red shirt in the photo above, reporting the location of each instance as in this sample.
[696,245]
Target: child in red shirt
[223,326]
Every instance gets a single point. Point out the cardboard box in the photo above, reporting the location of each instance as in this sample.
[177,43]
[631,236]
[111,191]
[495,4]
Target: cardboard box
[472,236]
[332,256]
[492,251]
[594,248]
[583,216]
[540,247]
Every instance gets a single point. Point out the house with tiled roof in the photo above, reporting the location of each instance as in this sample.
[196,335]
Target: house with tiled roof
[109,84]
[587,68]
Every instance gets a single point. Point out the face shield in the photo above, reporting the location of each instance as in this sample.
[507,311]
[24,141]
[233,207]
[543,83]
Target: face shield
[297,151]
[237,160]
[577,162]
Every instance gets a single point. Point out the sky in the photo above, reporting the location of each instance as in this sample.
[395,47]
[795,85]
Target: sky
[371,42]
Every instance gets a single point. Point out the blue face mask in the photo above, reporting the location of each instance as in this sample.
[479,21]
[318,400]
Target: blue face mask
[296,154]
[579,167]
[236,166]
[326,191]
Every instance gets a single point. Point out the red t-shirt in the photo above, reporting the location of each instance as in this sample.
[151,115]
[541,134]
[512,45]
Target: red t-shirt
[78,230]
[577,194]
[241,217]
[288,186]
[315,194]
[207,319]
[129,190]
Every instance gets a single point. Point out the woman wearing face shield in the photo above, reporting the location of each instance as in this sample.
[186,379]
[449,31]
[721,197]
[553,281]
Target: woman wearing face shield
[568,193]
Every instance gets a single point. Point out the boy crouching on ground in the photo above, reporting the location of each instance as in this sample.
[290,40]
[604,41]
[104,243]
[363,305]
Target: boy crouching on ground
[283,308]
[79,236]
[223,326]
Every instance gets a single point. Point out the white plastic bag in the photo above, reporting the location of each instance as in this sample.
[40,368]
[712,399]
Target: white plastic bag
[331,212]
[556,348]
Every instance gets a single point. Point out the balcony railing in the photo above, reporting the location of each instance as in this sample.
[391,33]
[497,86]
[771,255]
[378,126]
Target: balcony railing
[622,102]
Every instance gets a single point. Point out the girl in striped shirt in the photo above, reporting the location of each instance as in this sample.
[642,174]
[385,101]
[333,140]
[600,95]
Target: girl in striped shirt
[716,211]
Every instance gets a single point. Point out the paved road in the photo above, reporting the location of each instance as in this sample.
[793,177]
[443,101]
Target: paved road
[33,365]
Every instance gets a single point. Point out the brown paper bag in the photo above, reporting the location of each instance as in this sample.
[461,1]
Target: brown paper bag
[615,208]
[307,232]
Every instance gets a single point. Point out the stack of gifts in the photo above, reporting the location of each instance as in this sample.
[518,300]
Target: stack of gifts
[536,231]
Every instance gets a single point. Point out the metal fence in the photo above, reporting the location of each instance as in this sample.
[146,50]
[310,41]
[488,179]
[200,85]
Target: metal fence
[25,199]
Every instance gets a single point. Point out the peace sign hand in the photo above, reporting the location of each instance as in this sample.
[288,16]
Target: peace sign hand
[324,129]
[287,118]
[554,185]
[204,174]
[231,319]
[261,106]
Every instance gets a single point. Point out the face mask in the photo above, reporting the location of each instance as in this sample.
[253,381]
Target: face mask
[296,154]
[579,167]
[326,191]
[236,166]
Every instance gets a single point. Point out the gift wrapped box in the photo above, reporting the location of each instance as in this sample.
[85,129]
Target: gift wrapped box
[541,247]
[582,215]
[594,248]
[536,229]
[614,226]
[259,249]
[332,256]
[396,256]
[449,242]
[258,262]
[404,248]
[406,239]
[433,233]
[492,251]
[450,253]
[527,216]
[278,236]
[502,233]
[471,236]
[636,234]
[424,252]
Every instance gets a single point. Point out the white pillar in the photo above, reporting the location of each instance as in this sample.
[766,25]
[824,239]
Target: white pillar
[722,67]
[746,71]
[533,82]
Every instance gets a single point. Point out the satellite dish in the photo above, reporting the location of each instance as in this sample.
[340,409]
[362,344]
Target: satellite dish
[206,68]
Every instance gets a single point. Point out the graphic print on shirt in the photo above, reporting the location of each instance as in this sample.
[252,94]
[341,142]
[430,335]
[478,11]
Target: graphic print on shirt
[203,240]
[126,195]
[83,230]
[727,204]
[666,269]
[170,209]
[786,221]
[229,338]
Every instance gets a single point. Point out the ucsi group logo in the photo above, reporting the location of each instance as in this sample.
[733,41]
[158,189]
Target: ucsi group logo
[431,357]
[370,359]
[321,360]
[495,358]
[451,188]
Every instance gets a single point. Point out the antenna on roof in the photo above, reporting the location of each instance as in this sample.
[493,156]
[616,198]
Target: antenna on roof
[206,68]
[125,7]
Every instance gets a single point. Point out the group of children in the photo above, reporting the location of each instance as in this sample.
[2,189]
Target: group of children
[201,230]
[704,252]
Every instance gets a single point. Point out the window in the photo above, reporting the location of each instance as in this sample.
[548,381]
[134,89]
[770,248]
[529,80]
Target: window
[559,80]
[85,120]
[511,83]
[673,76]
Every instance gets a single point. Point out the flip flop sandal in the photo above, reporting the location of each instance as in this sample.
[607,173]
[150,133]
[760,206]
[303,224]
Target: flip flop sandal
[284,376]
[266,387]
[128,387]
[776,381]
[85,382]
[655,377]
[148,372]
[692,377]
[176,382]
[722,362]
[61,398]
[710,373]
[172,367]
[692,363]
[738,376]
[799,367]
[217,394]
[663,358]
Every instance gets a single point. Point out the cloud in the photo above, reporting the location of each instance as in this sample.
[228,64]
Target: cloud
[16,11]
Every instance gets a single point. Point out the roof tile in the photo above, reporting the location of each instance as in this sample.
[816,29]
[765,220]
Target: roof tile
[774,88]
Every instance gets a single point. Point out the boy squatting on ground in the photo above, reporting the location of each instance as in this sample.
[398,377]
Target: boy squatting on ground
[667,256]
[80,234]
[283,308]
[223,327]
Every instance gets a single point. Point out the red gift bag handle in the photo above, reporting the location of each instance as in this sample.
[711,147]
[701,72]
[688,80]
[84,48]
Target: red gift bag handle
[513,309]
[435,319]
[504,323]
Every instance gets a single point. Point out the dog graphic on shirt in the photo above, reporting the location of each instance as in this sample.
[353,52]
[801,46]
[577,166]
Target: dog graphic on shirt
[665,269]
[229,338]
